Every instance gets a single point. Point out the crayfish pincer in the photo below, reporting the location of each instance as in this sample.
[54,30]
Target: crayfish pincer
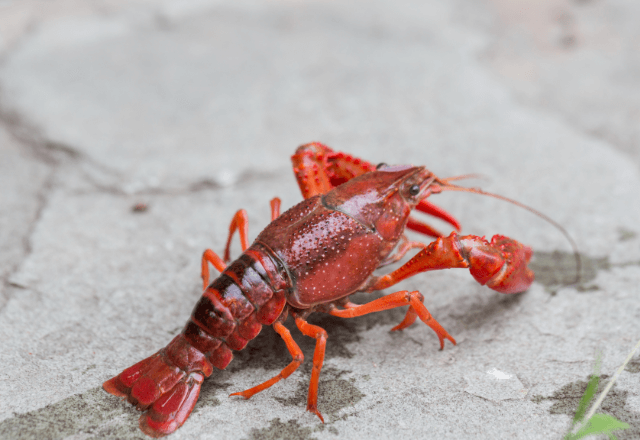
[310,259]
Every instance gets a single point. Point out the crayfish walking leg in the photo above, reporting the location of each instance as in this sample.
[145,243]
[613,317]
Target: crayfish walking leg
[312,331]
[239,222]
[398,299]
[320,335]
[296,354]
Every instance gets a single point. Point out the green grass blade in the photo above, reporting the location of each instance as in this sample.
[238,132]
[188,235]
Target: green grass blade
[602,395]
[597,423]
[592,387]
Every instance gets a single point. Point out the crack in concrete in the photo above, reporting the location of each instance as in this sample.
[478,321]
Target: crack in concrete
[55,155]
[31,138]
[10,122]
[50,153]
[198,186]
[244,179]
[42,198]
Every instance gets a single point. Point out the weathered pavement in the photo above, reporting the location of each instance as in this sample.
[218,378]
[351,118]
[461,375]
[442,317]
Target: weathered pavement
[194,110]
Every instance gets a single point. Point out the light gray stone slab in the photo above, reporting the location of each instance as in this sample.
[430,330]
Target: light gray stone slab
[194,112]
[579,59]
[24,179]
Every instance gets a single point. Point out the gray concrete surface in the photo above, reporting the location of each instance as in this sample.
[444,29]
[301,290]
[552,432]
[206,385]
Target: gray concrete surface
[194,110]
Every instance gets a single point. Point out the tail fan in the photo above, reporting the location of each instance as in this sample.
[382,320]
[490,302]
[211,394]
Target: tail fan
[165,386]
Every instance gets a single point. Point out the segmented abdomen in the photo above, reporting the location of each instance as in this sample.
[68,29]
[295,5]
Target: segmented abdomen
[250,293]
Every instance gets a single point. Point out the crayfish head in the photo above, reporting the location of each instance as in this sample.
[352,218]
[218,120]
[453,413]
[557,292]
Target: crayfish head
[383,199]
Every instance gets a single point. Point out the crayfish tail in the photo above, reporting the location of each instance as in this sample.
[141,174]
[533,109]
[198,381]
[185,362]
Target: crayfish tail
[165,385]
[172,409]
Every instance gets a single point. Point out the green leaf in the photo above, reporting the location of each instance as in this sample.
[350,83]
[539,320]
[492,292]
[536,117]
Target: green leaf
[592,387]
[599,424]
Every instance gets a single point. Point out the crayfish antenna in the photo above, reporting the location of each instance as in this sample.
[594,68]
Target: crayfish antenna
[462,177]
[444,185]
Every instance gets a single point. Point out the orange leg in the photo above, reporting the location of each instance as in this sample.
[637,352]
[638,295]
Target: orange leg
[210,257]
[429,208]
[409,318]
[423,228]
[275,208]
[320,335]
[398,299]
[296,354]
[241,223]
[500,264]
[350,305]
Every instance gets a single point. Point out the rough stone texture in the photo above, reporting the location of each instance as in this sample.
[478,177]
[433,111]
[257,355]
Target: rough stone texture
[580,59]
[24,182]
[194,110]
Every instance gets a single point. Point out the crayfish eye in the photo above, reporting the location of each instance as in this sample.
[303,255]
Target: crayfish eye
[381,165]
[414,190]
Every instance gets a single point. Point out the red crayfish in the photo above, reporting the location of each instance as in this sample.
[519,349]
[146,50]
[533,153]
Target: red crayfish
[310,259]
